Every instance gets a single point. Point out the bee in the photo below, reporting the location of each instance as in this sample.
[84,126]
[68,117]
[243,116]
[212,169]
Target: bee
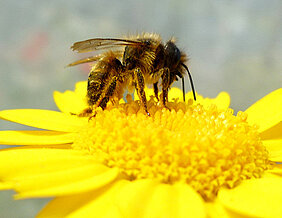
[130,63]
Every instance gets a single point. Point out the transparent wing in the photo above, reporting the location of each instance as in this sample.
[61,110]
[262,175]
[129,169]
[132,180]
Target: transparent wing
[102,43]
[117,54]
[85,60]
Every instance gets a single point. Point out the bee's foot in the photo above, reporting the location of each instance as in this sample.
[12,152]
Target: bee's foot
[85,113]
[166,107]
[93,115]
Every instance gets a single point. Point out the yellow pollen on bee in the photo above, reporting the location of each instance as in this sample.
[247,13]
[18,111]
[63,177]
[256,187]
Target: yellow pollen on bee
[205,148]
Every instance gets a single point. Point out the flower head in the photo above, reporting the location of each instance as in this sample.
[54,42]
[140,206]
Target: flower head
[191,160]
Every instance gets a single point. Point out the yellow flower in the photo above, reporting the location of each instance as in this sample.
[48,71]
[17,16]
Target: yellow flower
[194,160]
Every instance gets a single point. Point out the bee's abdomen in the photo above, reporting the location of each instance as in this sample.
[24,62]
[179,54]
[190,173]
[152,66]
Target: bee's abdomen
[102,81]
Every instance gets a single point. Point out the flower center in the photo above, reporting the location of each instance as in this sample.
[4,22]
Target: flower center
[205,148]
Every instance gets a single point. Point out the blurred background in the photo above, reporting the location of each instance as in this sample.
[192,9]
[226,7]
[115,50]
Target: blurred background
[233,46]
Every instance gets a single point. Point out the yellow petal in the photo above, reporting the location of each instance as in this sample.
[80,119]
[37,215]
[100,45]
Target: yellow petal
[102,206]
[70,102]
[176,93]
[67,182]
[96,203]
[161,202]
[272,173]
[274,148]
[274,132]
[62,146]
[35,138]
[148,198]
[133,197]
[222,100]
[129,199]
[52,172]
[267,112]
[21,162]
[62,206]
[5,185]
[255,197]
[216,210]
[188,202]
[276,156]
[149,92]
[81,89]
[177,200]
[44,119]
[276,170]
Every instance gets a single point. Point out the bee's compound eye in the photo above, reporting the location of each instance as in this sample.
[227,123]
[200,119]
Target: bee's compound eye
[173,53]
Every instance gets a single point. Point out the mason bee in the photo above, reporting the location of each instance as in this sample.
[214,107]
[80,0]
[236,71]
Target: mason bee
[130,64]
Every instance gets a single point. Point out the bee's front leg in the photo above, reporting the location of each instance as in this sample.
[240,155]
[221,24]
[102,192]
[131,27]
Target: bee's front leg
[165,85]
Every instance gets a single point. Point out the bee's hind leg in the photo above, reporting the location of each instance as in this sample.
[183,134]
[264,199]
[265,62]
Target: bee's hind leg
[107,93]
[85,113]
[105,97]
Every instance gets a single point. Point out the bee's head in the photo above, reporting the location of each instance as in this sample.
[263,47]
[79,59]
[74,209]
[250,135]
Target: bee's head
[172,54]
[174,60]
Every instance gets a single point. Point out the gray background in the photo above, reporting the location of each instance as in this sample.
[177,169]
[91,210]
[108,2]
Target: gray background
[234,46]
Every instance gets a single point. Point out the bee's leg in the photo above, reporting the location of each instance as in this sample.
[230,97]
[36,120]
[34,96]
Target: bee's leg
[140,86]
[107,92]
[165,85]
[104,102]
[92,115]
[85,113]
[156,90]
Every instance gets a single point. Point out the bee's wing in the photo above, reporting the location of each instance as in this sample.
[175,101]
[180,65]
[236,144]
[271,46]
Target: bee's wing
[102,43]
[85,60]
[117,54]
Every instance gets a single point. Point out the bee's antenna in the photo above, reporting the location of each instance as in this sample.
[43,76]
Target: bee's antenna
[183,88]
[191,81]
[183,84]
